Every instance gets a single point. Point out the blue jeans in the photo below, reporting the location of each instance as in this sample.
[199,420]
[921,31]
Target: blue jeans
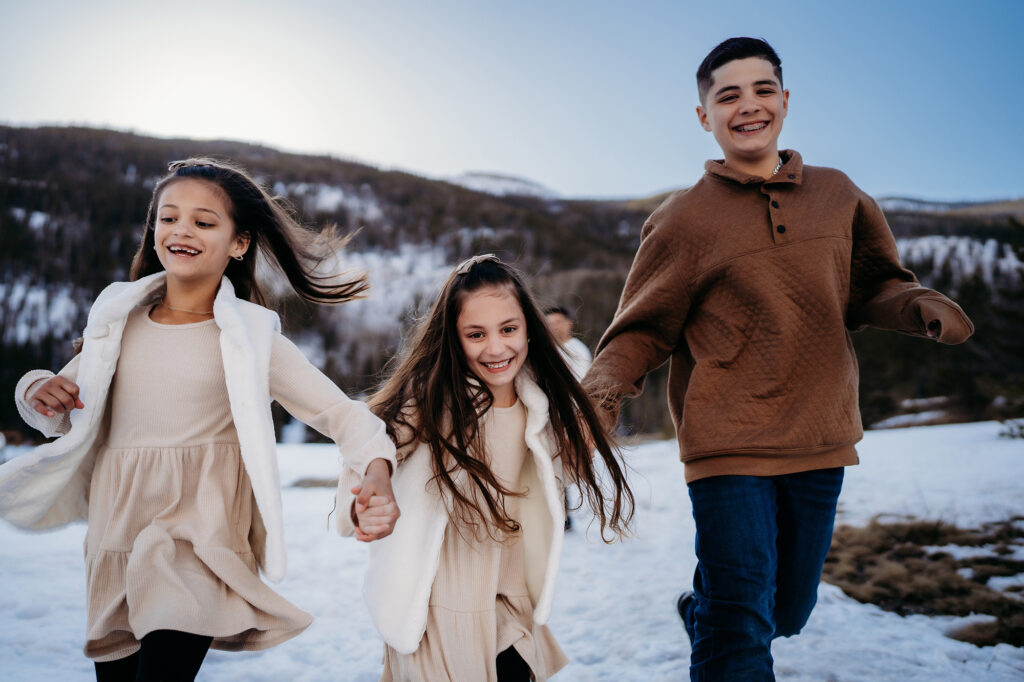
[761,543]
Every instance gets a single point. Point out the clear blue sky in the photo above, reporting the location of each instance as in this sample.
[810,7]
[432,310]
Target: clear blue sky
[909,97]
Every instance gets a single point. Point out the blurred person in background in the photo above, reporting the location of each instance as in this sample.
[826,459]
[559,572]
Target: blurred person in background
[576,353]
[577,356]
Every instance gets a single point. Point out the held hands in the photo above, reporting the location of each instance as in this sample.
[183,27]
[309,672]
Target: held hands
[374,511]
[56,396]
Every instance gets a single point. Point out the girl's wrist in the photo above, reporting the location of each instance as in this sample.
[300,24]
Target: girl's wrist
[379,466]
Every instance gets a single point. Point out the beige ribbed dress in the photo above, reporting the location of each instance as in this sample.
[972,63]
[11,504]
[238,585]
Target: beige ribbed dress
[171,508]
[479,603]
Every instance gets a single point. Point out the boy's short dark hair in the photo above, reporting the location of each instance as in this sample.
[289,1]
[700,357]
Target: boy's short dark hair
[564,312]
[731,50]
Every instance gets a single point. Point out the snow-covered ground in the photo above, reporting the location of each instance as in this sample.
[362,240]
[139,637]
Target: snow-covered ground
[614,610]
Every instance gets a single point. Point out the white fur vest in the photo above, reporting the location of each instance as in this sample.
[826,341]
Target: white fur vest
[49,486]
[403,565]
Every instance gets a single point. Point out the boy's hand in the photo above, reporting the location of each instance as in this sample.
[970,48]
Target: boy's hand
[374,511]
[56,396]
[943,323]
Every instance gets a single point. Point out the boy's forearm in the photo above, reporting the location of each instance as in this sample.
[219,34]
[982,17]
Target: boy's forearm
[890,307]
[646,329]
[886,295]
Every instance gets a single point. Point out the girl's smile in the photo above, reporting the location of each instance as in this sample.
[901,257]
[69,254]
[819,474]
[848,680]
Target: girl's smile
[182,250]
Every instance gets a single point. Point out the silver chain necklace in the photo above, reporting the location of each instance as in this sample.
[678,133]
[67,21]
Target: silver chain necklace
[778,166]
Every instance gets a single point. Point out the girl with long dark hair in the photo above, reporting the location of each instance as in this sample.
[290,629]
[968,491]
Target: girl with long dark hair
[166,443]
[489,422]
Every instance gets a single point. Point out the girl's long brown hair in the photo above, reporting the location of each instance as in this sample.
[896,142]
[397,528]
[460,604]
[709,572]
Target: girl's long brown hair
[293,250]
[433,378]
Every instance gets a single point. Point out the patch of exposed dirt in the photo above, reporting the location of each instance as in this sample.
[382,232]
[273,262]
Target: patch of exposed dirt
[925,567]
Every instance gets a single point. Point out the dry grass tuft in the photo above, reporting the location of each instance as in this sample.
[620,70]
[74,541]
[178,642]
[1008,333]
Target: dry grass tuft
[887,564]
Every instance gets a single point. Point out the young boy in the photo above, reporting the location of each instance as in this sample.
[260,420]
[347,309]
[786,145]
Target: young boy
[749,283]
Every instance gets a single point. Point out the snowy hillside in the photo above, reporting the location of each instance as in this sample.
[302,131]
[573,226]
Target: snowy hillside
[956,259]
[402,283]
[360,202]
[613,611]
[74,200]
[31,312]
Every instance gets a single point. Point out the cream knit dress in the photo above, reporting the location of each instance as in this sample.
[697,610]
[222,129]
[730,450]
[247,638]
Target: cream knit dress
[171,508]
[479,603]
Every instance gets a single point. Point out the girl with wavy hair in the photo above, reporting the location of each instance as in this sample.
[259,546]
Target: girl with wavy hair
[489,422]
[165,438]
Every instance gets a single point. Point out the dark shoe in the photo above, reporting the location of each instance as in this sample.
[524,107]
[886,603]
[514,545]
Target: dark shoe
[684,607]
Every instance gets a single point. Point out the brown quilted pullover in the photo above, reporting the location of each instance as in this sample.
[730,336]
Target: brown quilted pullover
[750,288]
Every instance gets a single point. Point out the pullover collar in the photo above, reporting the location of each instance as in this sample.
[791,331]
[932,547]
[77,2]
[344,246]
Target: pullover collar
[791,172]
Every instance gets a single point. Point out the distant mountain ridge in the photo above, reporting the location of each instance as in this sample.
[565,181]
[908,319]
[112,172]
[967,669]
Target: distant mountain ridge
[72,202]
[998,207]
[502,185]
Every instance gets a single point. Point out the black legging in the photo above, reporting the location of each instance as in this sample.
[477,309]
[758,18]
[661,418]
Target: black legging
[165,656]
[172,656]
[512,667]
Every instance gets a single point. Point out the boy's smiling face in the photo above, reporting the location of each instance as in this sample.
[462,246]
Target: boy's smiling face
[744,110]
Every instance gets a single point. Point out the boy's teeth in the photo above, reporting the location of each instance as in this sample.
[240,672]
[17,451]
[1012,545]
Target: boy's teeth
[750,127]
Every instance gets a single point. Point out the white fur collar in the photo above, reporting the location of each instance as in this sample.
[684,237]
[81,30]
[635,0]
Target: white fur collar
[117,301]
[534,399]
